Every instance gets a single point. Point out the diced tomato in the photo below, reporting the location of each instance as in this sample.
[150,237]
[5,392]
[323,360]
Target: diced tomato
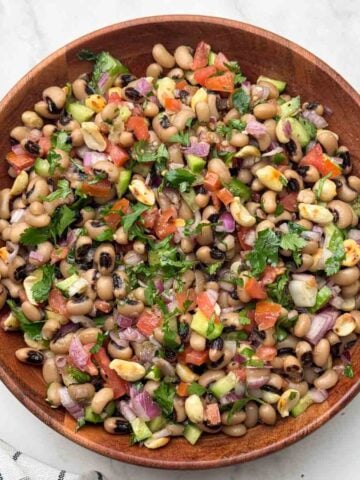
[239,372]
[20,162]
[182,389]
[225,196]
[242,235]
[100,189]
[58,254]
[120,387]
[220,61]
[114,97]
[221,83]
[270,273]
[266,314]
[206,303]
[117,154]
[212,182]
[202,74]
[255,289]
[322,162]
[139,126]
[122,205]
[186,299]
[147,321]
[103,306]
[113,218]
[266,353]
[212,414]
[44,144]
[181,84]
[201,55]
[165,225]
[57,302]
[173,104]
[193,356]
[149,217]
[289,202]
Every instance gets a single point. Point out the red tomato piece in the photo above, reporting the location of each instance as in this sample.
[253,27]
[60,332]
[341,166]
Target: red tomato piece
[221,83]
[119,386]
[225,196]
[206,304]
[266,353]
[202,74]
[270,273]
[114,97]
[321,162]
[44,144]
[147,321]
[139,126]
[289,202]
[165,225]
[117,154]
[220,61]
[212,182]
[113,218]
[242,235]
[183,299]
[255,289]
[182,389]
[201,55]
[20,162]
[173,104]
[266,314]
[99,189]
[212,414]
[57,302]
[149,217]
[193,356]
[181,84]
[59,254]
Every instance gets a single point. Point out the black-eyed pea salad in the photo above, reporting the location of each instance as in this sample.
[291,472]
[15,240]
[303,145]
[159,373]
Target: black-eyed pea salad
[181,249]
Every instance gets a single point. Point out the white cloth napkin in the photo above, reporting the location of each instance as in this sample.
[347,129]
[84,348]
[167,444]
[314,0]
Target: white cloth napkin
[14,465]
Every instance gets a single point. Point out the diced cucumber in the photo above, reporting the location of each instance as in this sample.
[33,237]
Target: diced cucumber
[72,285]
[322,298]
[157,423]
[195,163]
[154,373]
[200,324]
[290,108]
[298,131]
[106,69]
[302,405]
[41,167]
[211,58]
[279,84]
[123,182]
[224,385]
[92,417]
[192,433]
[140,429]
[81,113]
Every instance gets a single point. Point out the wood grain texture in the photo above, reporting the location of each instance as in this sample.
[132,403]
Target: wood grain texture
[258,52]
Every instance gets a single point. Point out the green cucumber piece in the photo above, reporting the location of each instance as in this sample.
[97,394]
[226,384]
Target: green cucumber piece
[224,385]
[154,373]
[192,433]
[81,113]
[92,417]
[195,163]
[140,429]
[322,298]
[200,324]
[290,108]
[279,84]
[123,182]
[302,405]
[298,131]
[41,167]
[157,424]
[211,58]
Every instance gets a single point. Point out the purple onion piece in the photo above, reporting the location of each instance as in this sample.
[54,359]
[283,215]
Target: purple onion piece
[314,118]
[200,149]
[75,410]
[318,396]
[65,329]
[321,323]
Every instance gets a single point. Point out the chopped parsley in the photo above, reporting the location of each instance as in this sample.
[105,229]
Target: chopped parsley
[128,220]
[348,371]
[61,140]
[32,329]
[241,101]
[40,290]
[336,247]
[234,124]
[100,339]
[196,389]
[182,137]
[320,185]
[239,189]
[106,236]
[265,252]
[278,291]
[63,191]
[164,396]
[181,178]
[54,161]
[294,243]
[78,375]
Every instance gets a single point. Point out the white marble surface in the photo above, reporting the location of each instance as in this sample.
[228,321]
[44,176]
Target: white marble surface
[30,30]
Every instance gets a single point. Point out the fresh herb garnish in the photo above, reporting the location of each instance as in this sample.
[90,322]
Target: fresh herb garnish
[320,186]
[278,291]
[239,189]
[88,55]
[164,396]
[182,137]
[78,375]
[105,236]
[181,178]
[265,251]
[234,124]
[278,210]
[32,329]
[40,290]
[128,220]
[336,247]
[54,161]
[241,101]
[61,140]
[100,339]
[348,371]
[196,389]
[294,243]
[63,191]
[143,152]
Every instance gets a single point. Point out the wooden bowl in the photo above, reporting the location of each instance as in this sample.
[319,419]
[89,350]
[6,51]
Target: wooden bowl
[258,52]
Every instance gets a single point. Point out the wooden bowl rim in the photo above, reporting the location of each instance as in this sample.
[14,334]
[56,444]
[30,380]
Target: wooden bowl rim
[136,458]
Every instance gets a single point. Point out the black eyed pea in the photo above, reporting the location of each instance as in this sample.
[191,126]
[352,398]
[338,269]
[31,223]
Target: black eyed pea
[293,368]
[36,189]
[342,212]
[154,70]
[235,430]
[301,387]
[111,170]
[121,237]
[179,408]
[238,417]
[208,255]
[150,387]
[104,258]
[344,191]
[77,138]
[183,57]
[139,294]
[104,287]
[129,371]
[150,109]
[185,211]
[53,394]
[287,401]
[50,372]
[12,287]
[143,193]
[101,399]
[264,225]
[17,270]
[241,214]
[5,203]
[154,443]
[202,111]
[41,108]
[55,98]
[82,392]
[48,130]
[180,119]
[197,342]
[329,140]
[217,166]
[252,414]
[19,185]
[187,245]
[78,88]
[238,139]
[89,335]
[205,237]
[30,356]
[81,305]
[130,307]
[327,380]
[120,279]
[270,126]
[267,414]
[264,141]
[356,315]
[117,426]
[273,91]
[20,133]
[115,351]
[61,345]
[321,352]
[354,183]
[194,408]
[346,276]
[31,119]
[49,328]
[350,291]
[302,325]
[345,324]
[226,244]
[176,73]
[187,279]
[37,221]
[268,201]
[162,56]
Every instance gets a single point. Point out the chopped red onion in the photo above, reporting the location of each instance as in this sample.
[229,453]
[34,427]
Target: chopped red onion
[239,358]
[200,149]
[337,302]
[81,151]
[314,118]
[212,295]
[61,361]
[126,411]
[321,323]
[104,77]
[143,86]
[65,329]
[259,92]
[272,152]
[37,256]
[18,149]
[328,110]
[35,135]
[17,215]
[250,238]
[143,405]
[255,128]
[318,396]
[257,377]
[75,410]
[131,335]
[310,235]
[287,129]
[230,345]
[122,321]
[346,357]
[159,285]
[229,398]
[71,238]
[232,309]
[226,223]
[114,337]
[79,356]
[91,158]
[240,389]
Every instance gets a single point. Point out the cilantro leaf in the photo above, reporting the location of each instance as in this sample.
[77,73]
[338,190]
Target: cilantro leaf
[239,189]
[105,236]
[182,137]
[234,124]
[348,371]
[63,191]
[336,247]
[78,375]
[214,267]
[320,185]
[88,55]
[265,252]
[33,236]
[244,319]
[294,243]
[164,396]
[63,219]
[53,159]
[40,290]
[61,140]
[180,176]
[32,329]
[143,152]
[100,339]
[150,293]
[241,101]
[278,291]
[196,389]
[128,220]
[309,127]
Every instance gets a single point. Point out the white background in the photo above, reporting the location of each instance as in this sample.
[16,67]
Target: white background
[30,30]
